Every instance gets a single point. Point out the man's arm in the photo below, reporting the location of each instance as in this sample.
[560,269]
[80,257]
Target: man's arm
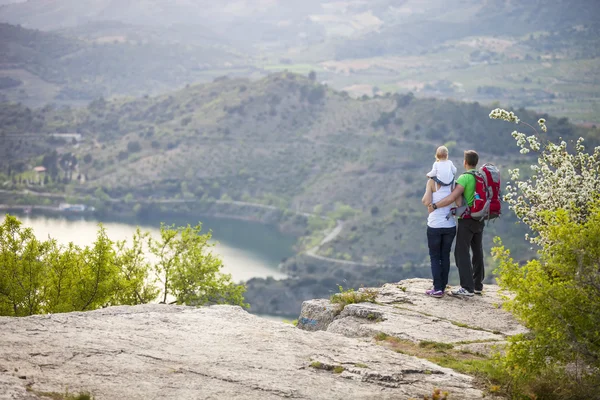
[451,198]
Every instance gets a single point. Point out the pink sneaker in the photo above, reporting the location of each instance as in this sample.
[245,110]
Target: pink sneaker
[434,293]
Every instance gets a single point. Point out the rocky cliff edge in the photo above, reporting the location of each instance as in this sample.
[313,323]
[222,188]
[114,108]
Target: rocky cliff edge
[223,352]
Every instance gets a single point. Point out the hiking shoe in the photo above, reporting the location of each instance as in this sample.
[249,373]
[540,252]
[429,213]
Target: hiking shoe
[477,292]
[434,293]
[461,292]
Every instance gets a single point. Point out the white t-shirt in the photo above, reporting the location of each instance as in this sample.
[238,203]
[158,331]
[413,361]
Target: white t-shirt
[437,219]
[443,170]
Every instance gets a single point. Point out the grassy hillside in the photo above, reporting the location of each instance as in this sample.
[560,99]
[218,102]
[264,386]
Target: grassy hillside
[283,140]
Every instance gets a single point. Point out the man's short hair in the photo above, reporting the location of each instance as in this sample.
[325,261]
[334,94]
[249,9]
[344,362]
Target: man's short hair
[471,158]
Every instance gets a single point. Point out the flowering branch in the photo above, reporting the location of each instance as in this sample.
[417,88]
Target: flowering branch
[560,179]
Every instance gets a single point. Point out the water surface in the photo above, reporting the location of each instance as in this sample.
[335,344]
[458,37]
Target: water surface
[248,249]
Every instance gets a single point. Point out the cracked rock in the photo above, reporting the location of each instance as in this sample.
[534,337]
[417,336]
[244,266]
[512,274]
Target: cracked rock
[220,352]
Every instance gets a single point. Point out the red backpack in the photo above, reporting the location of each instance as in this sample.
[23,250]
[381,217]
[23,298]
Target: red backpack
[486,204]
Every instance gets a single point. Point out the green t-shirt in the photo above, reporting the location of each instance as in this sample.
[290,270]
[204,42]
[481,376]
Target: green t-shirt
[468,182]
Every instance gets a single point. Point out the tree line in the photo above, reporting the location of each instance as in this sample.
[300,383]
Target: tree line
[42,276]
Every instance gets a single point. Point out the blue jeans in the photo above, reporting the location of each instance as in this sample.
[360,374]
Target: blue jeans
[440,243]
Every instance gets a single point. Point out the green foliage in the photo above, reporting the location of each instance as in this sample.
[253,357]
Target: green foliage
[351,296]
[558,298]
[557,295]
[189,271]
[42,277]
[338,369]
[316,223]
[342,212]
[136,286]
[435,345]
[62,396]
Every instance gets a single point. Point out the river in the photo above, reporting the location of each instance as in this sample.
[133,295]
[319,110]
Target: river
[248,249]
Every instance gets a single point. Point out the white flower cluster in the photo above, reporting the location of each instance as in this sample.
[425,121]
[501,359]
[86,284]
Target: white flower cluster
[499,113]
[542,124]
[560,179]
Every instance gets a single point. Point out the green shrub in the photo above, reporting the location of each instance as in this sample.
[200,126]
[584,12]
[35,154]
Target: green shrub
[42,277]
[351,296]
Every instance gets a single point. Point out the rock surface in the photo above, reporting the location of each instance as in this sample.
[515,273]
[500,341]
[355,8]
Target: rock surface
[220,352]
[404,311]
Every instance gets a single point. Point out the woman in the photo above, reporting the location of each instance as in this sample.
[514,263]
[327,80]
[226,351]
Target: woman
[440,235]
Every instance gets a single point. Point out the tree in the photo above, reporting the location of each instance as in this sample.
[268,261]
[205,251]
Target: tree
[189,271]
[312,75]
[135,287]
[557,296]
[22,270]
[50,162]
[97,274]
[42,277]
[560,180]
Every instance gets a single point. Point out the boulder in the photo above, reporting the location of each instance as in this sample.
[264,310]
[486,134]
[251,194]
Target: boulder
[316,315]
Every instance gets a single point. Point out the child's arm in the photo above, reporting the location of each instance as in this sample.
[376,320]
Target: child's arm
[453,168]
[433,171]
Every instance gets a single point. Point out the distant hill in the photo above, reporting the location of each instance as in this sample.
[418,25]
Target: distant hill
[390,26]
[539,54]
[245,21]
[413,27]
[57,68]
[283,140]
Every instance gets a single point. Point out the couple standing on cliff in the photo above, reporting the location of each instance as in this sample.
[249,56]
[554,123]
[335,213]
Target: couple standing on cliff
[439,195]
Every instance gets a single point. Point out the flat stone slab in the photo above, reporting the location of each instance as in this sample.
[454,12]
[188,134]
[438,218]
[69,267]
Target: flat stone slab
[404,324]
[403,310]
[482,312]
[220,352]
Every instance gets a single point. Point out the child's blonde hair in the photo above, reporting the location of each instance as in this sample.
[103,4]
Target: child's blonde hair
[441,153]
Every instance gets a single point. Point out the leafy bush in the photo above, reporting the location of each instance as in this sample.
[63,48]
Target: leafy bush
[39,277]
[557,296]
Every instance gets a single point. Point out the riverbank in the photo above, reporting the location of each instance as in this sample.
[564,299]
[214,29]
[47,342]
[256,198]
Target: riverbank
[287,221]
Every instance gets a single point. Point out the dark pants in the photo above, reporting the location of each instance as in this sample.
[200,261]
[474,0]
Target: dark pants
[440,243]
[469,237]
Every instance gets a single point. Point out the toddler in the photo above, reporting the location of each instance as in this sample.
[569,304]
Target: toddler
[443,170]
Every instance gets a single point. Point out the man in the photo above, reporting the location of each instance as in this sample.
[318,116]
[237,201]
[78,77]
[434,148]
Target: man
[470,232]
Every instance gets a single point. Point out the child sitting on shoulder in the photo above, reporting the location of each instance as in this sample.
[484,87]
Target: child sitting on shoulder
[443,170]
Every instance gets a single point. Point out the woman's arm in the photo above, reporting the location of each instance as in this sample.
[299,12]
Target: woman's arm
[428,196]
